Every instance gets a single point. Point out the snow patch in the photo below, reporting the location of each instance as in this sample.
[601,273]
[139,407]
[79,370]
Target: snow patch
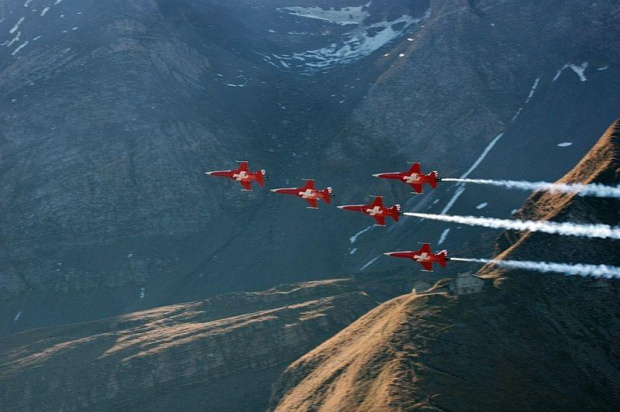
[516,116]
[44,11]
[27,3]
[16,27]
[353,238]
[529,97]
[459,191]
[559,73]
[15,39]
[461,187]
[343,17]
[580,70]
[19,315]
[361,42]
[482,205]
[565,144]
[352,251]
[142,293]
[369,263]
[443,236]
[21,46]
[600,69]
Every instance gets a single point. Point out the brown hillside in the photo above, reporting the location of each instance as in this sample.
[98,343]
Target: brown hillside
[221,354]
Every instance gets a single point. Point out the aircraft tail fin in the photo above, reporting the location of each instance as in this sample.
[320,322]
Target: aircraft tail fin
[442,257]
[328,195]
[433,179]
[260,177]
[396,212]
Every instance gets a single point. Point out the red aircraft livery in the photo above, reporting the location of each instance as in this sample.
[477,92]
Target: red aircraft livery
[308,192]
[424,256]
[376,210]
[242,175]
[413,177]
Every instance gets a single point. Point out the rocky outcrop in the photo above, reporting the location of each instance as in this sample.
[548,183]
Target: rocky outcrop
[530,341]
[600,166]
[221,354]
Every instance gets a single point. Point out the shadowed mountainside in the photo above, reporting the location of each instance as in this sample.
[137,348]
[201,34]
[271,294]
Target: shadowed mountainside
[530,341]
[111,112]
[222,353]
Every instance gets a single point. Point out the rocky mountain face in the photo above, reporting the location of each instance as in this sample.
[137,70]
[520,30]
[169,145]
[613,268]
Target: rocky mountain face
[219,354]
[112,111]
[529,341]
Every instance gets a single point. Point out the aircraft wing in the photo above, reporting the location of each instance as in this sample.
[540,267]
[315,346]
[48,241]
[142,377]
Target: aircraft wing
[246,185]
[417,187]
[377,202]
[415,168]
[425,248]
[313,203]
[427,266]
[380,220]
[243,167]
[309,185]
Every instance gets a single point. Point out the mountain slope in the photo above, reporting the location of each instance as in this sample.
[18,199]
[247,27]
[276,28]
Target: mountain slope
[111,112]
[528,342]
[222,353]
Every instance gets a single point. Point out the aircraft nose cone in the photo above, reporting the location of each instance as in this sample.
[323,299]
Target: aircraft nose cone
[340,207]
[377,175]
[208,173]
[274,190]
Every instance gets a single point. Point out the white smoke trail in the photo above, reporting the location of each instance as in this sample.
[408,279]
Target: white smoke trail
[594,189]
[566,229]
[599,271]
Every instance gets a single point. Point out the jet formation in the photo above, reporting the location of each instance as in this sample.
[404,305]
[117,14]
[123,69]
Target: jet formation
[376,209]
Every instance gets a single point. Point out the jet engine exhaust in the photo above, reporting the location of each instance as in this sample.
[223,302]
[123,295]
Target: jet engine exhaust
[593,189]
[565,228]
[578,269]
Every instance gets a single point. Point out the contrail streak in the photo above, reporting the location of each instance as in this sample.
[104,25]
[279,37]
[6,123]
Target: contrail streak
[599,271]
[566,229]
[594,189]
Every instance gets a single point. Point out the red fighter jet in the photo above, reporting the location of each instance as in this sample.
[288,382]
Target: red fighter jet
[376,210]
[424,256]
[308,192]
[242,175]
[413,177]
